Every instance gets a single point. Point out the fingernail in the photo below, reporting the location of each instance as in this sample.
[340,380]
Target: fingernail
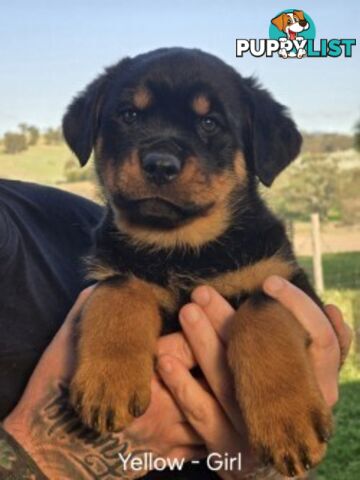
[201,296]
[165,365]
[274,284]
[189,314]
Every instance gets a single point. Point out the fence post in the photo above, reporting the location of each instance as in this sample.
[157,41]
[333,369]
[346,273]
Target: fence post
[317,262]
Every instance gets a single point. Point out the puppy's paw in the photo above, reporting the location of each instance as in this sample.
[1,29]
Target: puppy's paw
[292,436]
[108,393]
[301,53]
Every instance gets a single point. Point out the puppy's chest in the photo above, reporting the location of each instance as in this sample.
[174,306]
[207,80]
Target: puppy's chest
[173,279]
[179,286]
[235,269]
[234,279]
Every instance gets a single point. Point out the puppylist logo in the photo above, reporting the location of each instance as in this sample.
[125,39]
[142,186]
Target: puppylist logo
[292,35]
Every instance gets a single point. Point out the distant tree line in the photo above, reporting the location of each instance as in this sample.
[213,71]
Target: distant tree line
[27,136]
[315,143]
[326,142]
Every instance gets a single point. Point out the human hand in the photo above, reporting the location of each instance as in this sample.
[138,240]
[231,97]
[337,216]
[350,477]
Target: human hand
[45,426]
[214,414]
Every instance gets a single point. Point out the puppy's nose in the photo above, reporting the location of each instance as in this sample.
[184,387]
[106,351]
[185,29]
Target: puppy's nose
[161,167]
[303,23]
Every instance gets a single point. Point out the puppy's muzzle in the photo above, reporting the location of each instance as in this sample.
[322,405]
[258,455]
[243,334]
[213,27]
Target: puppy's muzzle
[161,167]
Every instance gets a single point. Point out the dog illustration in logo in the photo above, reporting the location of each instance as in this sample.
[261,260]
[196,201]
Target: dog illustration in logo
[291,23]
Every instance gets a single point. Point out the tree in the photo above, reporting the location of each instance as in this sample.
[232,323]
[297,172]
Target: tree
[325,142]
[33,134]
[30,132]
[23,127]
[53,136]
[14,142]
[349,182]
[357,136]
[309,186]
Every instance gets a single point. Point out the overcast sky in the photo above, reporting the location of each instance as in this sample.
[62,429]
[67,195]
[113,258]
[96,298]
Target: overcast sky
[52,49]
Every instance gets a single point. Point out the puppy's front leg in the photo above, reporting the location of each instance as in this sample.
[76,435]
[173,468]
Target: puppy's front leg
[286,415]
[119,327]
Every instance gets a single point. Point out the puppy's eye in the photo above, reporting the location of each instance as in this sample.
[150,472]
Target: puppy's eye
[289,21]
[130,116]
[208,124]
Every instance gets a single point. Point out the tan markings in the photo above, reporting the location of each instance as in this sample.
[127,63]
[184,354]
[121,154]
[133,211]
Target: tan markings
[240,166]
[119,328]
[201,105]
[129,178]
[192,185]
[275,384]
[99,271]
[252,277]
[200,231]
[245,280]
[167,299]
[142,98]
[195,185]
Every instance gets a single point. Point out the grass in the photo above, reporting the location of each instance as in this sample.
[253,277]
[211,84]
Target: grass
[41,164]
[341,270]
[343,457]
[45,164]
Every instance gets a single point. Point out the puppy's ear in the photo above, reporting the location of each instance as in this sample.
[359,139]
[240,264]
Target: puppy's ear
[81,121]
[300,14]
[271,138]
[279,21]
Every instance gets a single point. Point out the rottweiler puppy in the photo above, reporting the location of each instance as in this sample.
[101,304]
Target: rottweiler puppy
[181,141]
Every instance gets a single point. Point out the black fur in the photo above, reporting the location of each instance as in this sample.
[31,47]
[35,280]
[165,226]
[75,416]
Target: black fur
[253,120]
[248,120]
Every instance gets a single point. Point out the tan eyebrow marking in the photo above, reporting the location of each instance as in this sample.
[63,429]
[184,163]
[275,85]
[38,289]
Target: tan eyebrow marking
[201,105]
[142,98]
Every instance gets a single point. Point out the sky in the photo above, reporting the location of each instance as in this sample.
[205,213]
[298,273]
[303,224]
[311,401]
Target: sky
[50,50]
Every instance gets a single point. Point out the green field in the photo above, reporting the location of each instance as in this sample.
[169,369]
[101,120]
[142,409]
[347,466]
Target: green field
[341,270]
[41,164]
[45,164]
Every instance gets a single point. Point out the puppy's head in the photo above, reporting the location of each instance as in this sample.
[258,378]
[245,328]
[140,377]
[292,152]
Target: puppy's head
[291,23]
[179,138]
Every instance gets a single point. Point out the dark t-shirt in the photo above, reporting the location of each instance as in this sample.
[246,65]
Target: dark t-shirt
[44,233]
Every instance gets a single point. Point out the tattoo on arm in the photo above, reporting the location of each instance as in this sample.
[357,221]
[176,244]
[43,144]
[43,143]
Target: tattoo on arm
[15,463]
[64,448]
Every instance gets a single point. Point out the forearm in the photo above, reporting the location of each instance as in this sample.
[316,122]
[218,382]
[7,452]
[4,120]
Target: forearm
[59,446]
[15,462]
